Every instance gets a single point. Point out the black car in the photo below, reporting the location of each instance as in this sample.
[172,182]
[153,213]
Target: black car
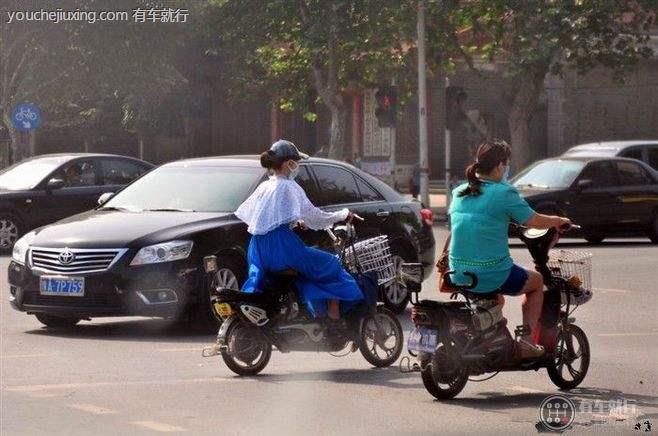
[606,196]
[140,253]
[644,150]
[47,188]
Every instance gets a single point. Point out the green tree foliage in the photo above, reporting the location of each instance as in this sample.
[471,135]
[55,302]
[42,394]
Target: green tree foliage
[287,48]
[533,38]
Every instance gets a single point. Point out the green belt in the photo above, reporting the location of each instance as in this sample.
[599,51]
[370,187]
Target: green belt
[483,263]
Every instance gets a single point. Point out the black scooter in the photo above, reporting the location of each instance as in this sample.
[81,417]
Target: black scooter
[456,340]
[254,322]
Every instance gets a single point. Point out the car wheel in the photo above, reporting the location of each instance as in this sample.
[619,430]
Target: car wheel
[230,274]
[653,232]
[396,294]
[10,231]
[58,322]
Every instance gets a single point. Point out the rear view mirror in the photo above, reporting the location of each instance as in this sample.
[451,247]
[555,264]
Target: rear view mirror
[54,184]
[104,198]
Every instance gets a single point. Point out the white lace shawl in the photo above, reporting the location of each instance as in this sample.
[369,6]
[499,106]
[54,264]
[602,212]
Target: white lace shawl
[280,201]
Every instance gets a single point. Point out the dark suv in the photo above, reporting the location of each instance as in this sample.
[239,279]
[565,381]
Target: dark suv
[141,252]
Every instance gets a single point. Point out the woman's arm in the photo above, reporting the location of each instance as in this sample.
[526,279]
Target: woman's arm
[314,217]
[541,221]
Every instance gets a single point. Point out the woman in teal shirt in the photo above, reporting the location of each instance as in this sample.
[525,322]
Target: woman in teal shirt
[480,214]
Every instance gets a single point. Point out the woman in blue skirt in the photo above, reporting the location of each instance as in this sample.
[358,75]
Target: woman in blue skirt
[270,212]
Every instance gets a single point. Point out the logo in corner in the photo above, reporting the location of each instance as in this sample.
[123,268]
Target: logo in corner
[557,412]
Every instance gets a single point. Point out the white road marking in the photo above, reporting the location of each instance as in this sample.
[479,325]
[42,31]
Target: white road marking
[35,388]
[525,390]
[95,410]
[621,335]
[23,356]
[158,426]
[612,290]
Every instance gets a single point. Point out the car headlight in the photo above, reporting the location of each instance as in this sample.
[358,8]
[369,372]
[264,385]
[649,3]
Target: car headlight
[165,252]
[19,253]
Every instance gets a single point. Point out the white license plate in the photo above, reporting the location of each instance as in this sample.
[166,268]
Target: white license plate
[62,286]
[423,340]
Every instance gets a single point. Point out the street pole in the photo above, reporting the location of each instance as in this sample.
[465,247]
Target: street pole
[422,103]
[448,172]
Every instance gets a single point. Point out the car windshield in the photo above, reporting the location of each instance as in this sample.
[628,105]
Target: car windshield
[549,174]
[188,188]
[28,174]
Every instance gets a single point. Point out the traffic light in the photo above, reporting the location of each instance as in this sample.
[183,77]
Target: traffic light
[386,97]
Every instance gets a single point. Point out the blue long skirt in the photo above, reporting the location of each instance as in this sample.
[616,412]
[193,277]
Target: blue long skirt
[321,276]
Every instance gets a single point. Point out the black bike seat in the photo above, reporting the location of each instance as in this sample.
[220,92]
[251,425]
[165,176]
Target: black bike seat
[481,296]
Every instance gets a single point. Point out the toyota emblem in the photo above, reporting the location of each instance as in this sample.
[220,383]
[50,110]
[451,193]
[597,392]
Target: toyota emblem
[66,257]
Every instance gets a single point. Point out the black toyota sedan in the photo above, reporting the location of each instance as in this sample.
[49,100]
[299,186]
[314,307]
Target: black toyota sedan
[606,196]
[43,189]
[140,253]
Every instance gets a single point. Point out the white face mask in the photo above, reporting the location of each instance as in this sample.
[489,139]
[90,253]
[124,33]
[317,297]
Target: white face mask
[294,171]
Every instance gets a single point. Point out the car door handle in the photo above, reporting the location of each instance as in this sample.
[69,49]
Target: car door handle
[383,213]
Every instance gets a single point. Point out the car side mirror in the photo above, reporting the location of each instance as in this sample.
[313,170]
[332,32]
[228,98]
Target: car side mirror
[584,184]
[54,184]
[104,198]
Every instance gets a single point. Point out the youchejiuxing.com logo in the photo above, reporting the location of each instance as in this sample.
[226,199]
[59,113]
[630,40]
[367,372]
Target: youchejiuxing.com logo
[557,412]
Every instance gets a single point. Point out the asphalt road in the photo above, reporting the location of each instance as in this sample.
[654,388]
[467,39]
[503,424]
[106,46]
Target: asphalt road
[143,376]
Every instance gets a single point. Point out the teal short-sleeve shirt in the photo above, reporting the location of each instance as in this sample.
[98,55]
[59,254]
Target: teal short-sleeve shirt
[479,227]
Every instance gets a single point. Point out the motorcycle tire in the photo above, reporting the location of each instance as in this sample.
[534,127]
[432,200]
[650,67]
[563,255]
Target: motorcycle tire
[442,384]
[566,355]
[247,350]
[368,336]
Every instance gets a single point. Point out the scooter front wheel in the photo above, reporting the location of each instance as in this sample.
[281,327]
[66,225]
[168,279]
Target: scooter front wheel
[247,350]
[572,357]
[381,338]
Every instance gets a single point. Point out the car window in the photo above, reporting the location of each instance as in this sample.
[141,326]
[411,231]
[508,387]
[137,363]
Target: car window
[120,171]
[631,173]
[653,157]
[338,186]
[601,173]
[79,173]
[29,173]
[633,153]
[305,180]
[367,192]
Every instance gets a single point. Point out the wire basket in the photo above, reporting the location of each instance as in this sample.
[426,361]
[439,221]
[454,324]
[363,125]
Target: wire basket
[576,268]
[372,254]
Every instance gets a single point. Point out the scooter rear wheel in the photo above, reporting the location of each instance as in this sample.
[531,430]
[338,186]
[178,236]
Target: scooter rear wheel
[442,376]
[247,350]
[572,353]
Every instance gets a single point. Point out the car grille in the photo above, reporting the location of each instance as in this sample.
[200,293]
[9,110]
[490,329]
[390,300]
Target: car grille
[80,260]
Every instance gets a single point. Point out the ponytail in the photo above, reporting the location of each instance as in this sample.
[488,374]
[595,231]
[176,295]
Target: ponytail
[473,187]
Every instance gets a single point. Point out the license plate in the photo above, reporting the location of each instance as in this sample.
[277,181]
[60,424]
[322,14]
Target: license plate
[423,340]
[62,286]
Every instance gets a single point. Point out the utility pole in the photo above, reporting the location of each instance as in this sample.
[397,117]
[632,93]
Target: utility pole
[422,110]
[448,171]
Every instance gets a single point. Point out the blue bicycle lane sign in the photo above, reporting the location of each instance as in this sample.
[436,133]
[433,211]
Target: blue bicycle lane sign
[26,117]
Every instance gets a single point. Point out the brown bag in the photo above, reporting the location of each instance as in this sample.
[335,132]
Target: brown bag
[443,266]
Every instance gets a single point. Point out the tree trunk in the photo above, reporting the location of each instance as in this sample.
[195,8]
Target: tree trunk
[338,130]
[518,120]
[15,145]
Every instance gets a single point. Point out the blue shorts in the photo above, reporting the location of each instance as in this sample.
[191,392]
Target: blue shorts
[515,281]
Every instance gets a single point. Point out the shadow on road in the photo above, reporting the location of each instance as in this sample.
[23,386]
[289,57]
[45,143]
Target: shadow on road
[140,330]
[598,397]
[381,377]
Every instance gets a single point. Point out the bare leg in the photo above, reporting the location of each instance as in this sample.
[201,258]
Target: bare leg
[533,301]
[333,309]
